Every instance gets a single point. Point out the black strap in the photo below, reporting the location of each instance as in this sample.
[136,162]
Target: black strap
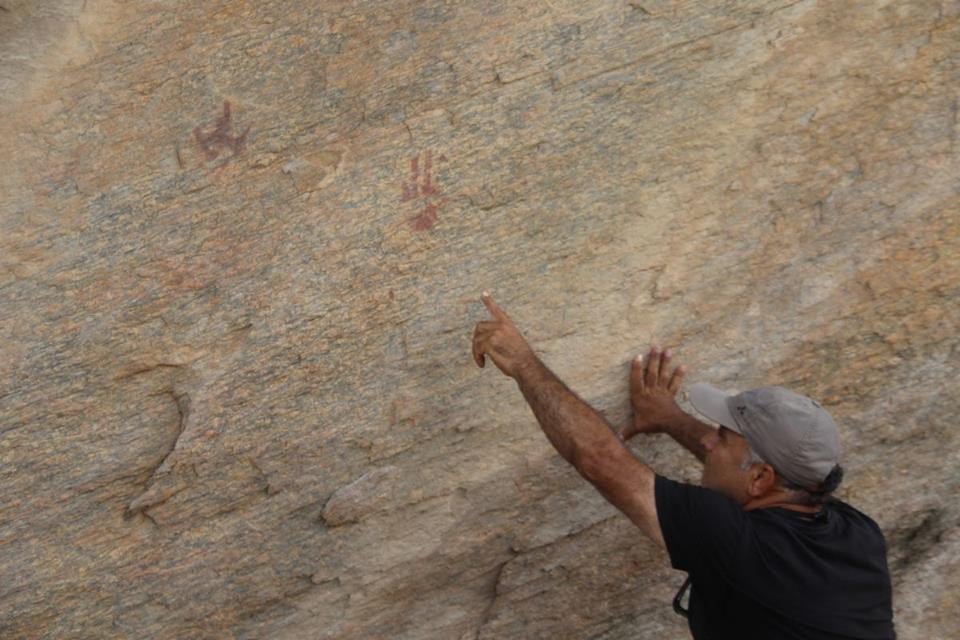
[677,598]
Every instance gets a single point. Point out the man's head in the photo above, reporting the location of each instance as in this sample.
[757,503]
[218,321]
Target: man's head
[771,440]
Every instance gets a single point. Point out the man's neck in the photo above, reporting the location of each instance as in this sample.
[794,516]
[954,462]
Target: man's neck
[778,500]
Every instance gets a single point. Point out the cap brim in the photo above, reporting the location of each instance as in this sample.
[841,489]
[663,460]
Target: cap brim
[712,403]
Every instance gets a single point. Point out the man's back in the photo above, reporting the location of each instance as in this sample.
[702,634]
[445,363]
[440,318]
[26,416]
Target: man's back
[776,573]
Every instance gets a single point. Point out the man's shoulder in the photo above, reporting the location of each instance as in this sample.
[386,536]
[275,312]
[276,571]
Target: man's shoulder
[700,526]
[839,505]
[692,495]
[841,515]
[838,531]
[852,515]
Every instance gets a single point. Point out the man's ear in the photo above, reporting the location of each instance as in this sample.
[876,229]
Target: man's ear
[762,479]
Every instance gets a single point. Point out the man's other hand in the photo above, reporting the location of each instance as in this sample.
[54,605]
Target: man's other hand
[500,339]
[653,387]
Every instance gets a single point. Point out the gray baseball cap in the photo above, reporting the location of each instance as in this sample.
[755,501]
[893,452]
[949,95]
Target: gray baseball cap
[791,432]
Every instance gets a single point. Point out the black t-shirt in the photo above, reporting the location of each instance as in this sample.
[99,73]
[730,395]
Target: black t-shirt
[775,573]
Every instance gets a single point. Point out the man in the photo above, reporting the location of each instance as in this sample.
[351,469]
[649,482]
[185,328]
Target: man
[769,554]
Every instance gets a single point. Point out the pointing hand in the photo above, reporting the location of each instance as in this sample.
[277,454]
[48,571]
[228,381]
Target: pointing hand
[500,339]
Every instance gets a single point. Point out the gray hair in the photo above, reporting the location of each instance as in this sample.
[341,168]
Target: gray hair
[799,495]
[751,459]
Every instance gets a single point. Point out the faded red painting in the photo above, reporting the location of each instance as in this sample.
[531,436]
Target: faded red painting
[421,188]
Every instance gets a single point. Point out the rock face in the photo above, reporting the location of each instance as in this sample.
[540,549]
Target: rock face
[241,255]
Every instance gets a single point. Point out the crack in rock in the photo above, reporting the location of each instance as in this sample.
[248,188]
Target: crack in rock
[495,583]
[147,369]
[155,495]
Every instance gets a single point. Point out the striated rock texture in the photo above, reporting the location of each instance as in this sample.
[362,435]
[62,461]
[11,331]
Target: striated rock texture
[242,245]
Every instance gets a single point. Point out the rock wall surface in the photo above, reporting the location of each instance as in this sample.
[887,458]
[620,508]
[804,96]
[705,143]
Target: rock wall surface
[241,254]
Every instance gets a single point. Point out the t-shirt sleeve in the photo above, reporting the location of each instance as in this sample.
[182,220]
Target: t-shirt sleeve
[702,528]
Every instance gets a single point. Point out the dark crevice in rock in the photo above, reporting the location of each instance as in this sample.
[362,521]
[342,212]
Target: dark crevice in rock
[148,499]
[331,582]
[182,401]
[323,521]
[159,365]
[912,542]
[268,488]
[488,612]
[146,515]
[152,496]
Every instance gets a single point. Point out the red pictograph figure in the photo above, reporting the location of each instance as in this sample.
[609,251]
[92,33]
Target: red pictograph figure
[420,185]
[220,139]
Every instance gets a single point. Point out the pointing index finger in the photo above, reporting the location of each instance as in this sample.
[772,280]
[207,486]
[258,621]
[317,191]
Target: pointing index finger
[493,307]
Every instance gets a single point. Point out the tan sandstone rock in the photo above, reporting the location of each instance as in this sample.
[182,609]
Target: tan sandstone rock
[242,246]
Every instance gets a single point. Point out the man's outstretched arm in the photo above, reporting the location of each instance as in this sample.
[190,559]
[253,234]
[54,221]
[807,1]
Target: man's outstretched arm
[574,428]
[587,442]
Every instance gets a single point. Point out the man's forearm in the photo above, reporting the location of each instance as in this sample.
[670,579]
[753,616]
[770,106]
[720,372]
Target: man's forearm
[688,431]
[573,427]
